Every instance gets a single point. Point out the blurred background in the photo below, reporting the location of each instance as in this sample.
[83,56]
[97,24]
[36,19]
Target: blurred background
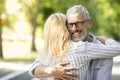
[21,31]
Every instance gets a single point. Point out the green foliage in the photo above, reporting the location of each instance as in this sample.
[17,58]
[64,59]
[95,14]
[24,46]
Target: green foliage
[108,18]
[105,13]
[47,11]
[2,6]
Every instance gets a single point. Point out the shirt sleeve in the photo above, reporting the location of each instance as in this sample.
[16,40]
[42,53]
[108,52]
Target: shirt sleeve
[111,42]
[111,49]
[42,60]
[36,63]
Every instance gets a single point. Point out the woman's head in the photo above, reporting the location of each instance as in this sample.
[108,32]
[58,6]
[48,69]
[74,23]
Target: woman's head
[55,24]
[56,34]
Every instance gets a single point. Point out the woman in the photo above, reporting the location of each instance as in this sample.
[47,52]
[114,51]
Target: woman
[59,48]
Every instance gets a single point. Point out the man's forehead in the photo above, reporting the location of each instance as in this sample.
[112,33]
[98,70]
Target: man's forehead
[75,17]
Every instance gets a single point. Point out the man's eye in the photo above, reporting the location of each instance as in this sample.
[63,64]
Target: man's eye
[78,23]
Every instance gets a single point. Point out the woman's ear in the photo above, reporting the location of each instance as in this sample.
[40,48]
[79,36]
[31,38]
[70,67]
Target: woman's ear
[90,22]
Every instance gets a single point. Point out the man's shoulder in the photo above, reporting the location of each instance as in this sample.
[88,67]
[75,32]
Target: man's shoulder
[95,40]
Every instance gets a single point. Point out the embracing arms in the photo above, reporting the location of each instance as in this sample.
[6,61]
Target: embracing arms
[109,50]
[58,71]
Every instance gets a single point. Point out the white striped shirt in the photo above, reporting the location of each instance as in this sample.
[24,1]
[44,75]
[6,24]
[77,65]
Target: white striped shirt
[101,69]
[79,55]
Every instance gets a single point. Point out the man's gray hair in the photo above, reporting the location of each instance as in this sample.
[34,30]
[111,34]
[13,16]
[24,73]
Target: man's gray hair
[78,8]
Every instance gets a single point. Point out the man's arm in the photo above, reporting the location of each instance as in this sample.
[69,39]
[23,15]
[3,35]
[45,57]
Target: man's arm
[42,71]
[102,40]
[111,49]
[57,71]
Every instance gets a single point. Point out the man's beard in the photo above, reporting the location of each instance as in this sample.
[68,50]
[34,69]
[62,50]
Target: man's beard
[82,38]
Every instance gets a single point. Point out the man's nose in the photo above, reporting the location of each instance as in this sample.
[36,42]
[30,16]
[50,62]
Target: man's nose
[74,27]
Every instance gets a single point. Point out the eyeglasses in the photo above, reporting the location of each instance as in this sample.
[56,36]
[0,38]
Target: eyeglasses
[77,24]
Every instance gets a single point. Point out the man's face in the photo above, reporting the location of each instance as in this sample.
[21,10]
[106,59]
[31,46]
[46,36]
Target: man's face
[77,26]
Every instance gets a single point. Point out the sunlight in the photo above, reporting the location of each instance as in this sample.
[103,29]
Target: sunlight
[22,27]
[3,16]
[12,6]
[21,15]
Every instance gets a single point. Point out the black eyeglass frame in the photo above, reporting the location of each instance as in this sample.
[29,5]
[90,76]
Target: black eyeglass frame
[77,24]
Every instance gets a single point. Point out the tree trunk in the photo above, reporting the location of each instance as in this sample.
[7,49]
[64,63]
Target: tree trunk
[34,24]
[1,52]
[33,39]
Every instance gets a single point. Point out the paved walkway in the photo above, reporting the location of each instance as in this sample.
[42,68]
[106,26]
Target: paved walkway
[9,71]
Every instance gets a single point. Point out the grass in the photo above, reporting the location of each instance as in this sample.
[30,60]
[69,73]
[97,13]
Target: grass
[27,58]
[18,51]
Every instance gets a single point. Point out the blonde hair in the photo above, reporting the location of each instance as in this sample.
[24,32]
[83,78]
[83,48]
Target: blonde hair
[56,35]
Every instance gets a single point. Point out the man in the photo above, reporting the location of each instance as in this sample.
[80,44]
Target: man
[79,23]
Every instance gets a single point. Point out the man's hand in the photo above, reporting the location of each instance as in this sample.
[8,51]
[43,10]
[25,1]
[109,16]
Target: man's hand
[101,39]
[60,72]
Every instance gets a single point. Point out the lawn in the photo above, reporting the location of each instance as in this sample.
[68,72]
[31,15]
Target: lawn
[16,50]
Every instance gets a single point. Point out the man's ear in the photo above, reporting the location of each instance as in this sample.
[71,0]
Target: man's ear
[90,22]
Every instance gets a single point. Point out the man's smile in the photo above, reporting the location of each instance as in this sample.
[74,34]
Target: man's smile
[77,33]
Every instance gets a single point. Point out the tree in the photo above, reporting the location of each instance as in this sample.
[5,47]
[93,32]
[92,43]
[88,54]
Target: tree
[35,10]
[32,9]
[1,23]
[1,52]
[38,10]
[108,18]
